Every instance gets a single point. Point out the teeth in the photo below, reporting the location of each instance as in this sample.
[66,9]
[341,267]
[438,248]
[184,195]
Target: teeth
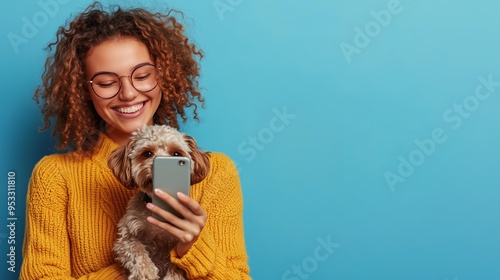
[131,109]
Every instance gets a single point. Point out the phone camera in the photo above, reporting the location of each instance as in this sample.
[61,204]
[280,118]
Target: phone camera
[182,162]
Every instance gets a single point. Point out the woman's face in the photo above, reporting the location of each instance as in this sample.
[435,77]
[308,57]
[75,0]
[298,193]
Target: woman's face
[130,109]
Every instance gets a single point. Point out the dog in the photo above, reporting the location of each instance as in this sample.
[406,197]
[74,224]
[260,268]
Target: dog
[142,248]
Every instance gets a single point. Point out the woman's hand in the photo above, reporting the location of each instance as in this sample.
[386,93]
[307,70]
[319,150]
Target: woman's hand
[186,230]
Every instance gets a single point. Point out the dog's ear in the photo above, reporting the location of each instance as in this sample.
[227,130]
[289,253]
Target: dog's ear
[201,163]
[120,165]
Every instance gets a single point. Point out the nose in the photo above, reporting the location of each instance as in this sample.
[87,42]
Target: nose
[127,90]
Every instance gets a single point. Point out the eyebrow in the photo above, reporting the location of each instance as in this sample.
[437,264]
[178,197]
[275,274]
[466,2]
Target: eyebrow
[133,69]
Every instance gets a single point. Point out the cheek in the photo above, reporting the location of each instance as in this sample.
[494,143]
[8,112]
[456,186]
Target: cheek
[156,97]
[100,105]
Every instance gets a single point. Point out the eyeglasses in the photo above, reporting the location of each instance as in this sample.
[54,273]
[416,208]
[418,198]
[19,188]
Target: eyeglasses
[106,85]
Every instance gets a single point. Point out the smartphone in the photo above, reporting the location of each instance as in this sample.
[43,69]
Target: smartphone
[172,175]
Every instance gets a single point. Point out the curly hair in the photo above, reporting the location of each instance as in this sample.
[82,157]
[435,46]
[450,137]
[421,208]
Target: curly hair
[64,95]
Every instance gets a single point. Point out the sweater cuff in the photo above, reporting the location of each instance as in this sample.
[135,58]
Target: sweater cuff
[201,258]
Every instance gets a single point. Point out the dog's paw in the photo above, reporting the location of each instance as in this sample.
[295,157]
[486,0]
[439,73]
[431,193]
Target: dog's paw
[175,273]
[143,276]
[144,272]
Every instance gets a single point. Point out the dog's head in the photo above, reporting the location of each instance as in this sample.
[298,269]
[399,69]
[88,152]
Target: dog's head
[132,163]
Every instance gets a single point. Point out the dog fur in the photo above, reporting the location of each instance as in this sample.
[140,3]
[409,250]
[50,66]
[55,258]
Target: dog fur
[142,248]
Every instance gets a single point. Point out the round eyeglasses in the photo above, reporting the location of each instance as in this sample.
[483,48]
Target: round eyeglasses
[143,78]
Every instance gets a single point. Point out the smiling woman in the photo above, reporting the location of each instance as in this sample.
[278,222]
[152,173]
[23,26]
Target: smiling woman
[114,71]
[117,99]
[131,38]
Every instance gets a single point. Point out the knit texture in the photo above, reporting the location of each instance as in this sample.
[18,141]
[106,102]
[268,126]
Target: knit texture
[74,205]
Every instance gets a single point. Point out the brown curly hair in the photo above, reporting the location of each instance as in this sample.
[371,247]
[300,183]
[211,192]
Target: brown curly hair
[64,94]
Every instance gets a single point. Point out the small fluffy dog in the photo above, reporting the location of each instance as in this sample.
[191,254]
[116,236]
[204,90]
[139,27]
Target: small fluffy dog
[142,248]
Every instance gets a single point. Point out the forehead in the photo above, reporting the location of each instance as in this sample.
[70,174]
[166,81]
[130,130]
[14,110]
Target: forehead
[119,55]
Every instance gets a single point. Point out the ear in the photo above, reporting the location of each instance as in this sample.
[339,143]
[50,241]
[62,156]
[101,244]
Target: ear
[119,163]
[201,163]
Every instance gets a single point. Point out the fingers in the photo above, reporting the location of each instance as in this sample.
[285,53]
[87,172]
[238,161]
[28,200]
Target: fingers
[191,204]
[175,231]
[186,206]
[166,215]
[179,228]
[187,229]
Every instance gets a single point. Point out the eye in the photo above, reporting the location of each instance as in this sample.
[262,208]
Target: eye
[147,154]
[107,84]
[176,154]
[105,80]
[142,77]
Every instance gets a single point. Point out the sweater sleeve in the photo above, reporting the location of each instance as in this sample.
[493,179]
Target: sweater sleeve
[46,248]
[219,252]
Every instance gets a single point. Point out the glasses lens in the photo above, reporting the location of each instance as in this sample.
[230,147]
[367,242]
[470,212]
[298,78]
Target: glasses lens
[106,85]
[144,78]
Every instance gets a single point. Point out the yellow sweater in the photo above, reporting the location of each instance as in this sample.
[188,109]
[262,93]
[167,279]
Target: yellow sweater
[74,204]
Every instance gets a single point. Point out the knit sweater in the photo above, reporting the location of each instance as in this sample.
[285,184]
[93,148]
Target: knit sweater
[75,203]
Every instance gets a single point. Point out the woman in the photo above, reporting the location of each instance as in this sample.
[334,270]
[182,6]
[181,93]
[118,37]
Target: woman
[111,73]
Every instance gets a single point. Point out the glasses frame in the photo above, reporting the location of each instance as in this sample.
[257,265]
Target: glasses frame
[120,80]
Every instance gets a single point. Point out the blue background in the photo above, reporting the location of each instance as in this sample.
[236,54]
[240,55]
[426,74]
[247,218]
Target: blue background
[318,102]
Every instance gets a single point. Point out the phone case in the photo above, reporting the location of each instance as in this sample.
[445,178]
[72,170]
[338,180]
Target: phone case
[172,175]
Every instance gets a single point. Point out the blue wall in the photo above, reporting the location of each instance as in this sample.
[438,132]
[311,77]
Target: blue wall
[366,132]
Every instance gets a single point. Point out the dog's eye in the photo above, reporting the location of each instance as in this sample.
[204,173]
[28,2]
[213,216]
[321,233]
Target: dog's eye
[176,154]
[147,154]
